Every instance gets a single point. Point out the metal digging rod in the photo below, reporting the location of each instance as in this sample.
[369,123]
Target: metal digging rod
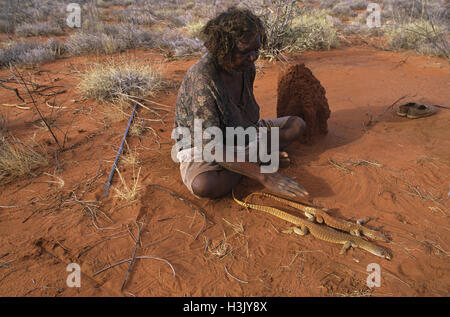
[108,183]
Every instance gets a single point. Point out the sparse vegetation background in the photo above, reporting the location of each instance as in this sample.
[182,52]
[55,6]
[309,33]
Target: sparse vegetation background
[172,26]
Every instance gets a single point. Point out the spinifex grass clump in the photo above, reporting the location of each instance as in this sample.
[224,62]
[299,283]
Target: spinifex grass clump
[114,82]
[18,159]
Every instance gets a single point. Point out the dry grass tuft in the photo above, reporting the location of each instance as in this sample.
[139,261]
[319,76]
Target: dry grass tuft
[138,127]
[343,165]
[128,193]
[18,159]
[115,82]
[237,228]
[219,249]
[193,28]
[131,158]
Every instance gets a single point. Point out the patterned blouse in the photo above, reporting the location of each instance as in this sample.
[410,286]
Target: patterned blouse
[203,95]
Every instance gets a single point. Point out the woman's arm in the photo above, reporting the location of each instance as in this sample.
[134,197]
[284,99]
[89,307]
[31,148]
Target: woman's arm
[275,182]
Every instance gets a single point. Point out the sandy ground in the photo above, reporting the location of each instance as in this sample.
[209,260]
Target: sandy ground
[46,224]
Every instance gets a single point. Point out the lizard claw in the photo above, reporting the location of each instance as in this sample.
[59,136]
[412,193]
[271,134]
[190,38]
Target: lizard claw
[288,231]
[362,221]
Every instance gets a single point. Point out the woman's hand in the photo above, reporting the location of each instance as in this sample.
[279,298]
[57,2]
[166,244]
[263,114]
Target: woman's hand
[284,185]
[275,182]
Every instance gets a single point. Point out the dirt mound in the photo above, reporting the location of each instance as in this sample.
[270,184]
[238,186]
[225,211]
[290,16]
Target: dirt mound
[301,94]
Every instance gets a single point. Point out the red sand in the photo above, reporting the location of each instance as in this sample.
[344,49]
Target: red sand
[406,196]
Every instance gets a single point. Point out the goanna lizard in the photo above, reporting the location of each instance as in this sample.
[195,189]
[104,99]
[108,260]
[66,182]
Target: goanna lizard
[321,232]
[321,216]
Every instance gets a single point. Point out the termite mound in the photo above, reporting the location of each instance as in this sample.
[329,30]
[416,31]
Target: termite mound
[301,94]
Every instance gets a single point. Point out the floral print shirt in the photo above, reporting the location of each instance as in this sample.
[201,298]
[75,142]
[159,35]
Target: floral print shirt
[202,95]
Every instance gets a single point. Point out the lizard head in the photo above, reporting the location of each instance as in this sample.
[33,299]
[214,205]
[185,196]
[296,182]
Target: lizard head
[384,253]
[376,235]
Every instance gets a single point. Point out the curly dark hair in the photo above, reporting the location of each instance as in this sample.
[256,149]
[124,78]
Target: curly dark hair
[222,33]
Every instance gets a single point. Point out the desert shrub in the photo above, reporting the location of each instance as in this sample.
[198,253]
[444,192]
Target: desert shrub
[4,26]
[352,4]
[17,12]
[109,39]
[90,17]
[188,5]
[408,10]
[291,27]
[314,31]
[359,4]
[278,22]
[131,34]
[177,43]
[127,3]
[18,159]
[343,11]
[35,29]
[137,16]
[30,52]
[353,28]
[328,4]
[344,8]
[105,3]
[421,35]
[55,46]
[204,9]
[277,18]
[177,17]
[123,3]
[84,43]
[113,81]
[361,29]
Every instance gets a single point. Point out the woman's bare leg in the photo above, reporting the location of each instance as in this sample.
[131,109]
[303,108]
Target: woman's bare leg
[215,184]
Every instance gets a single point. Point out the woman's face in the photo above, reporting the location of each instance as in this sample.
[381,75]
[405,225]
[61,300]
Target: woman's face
[245,54]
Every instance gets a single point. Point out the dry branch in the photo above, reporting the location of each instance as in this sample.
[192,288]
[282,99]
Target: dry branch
[187,202]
